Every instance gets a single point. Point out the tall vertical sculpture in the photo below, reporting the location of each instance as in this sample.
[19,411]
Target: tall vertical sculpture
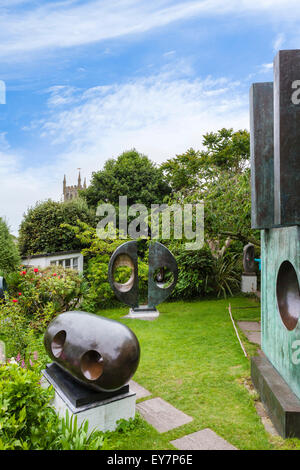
[275,174]
[161,261]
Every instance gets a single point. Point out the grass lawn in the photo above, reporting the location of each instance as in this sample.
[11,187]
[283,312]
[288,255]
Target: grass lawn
[191,357]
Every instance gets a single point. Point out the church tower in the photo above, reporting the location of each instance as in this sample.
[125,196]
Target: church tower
[71,192]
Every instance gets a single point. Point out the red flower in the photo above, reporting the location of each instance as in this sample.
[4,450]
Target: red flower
[23,272]
[36,270]
[54,274]
[15,301]
[19,293]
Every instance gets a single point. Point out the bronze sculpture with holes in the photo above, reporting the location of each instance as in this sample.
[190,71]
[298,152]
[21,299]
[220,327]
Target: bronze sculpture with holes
[162,278]
[275,179]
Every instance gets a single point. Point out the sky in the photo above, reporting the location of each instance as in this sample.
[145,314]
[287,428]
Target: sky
[83,81]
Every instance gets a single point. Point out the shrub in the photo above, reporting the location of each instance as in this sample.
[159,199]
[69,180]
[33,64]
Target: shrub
[9,254]
[41,231]
[27,419]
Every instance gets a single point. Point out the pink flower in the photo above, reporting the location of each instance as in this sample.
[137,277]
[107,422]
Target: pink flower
[23,364]
[54,274]
[18,357]
[35,355]
[30,362]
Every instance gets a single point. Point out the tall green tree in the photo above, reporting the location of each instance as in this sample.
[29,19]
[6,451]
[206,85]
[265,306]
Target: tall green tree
[131,174]
[41,230]
[9,253]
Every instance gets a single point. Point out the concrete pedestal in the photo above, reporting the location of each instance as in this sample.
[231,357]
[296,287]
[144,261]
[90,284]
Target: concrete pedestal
[281,403]
[101,414]
[143,313]
[249,283]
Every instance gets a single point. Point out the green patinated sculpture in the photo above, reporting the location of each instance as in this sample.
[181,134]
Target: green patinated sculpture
[275,169]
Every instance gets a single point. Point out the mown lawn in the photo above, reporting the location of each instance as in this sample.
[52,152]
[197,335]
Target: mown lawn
[190,357]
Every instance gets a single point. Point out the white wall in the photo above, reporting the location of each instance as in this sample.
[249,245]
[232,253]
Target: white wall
[45,261]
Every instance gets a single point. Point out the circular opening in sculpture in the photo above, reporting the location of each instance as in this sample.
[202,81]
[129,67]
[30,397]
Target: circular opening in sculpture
[288,295]
[123,273]
[92,365]
[57,344]
[163,277]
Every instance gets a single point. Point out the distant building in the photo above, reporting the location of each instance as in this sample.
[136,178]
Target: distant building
[71,192]
[66,259]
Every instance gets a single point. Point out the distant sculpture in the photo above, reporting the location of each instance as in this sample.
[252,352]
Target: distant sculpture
[249,259]
[162,277]
[100,353]
[3,288]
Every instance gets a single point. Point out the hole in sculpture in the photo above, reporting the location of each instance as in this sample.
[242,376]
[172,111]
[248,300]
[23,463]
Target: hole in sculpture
[163,277]
[92,365]
[58,342]
[288,295]
[123,273]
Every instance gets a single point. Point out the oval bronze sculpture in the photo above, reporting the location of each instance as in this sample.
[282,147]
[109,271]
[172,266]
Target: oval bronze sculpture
[101,353]
[125,255]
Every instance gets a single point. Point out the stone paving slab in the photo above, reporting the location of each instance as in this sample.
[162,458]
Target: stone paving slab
[252,329]
[249,325]
[206,439]
[268,425]
[161,415]
[140,391]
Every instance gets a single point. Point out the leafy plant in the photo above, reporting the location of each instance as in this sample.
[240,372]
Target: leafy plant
[72,437]
[227,275]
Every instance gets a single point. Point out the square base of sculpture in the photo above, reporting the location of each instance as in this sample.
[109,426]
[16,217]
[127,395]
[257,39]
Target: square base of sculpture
[281,403]
[101,410]
[249,283]
[143,312]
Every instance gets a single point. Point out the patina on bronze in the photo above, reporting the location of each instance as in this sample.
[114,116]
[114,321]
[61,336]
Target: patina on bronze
[249,259]
[99,352]
[125,255]
[288,295]
[3,288]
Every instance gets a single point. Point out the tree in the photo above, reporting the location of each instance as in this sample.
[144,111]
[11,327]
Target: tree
[9,254]
[41,231]
[133,175]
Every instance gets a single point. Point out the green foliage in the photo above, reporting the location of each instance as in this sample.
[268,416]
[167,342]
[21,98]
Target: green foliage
[41,231]
[99,293]
[26,419]
[35,297]
[227,275]
[72,437]
[131,174]
[195,277]
[9,254]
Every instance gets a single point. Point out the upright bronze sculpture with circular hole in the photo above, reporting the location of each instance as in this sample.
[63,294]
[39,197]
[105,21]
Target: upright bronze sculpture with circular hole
[100,353]
[162,277]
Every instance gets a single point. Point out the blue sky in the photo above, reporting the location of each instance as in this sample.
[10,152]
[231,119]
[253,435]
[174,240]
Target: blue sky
[86,80]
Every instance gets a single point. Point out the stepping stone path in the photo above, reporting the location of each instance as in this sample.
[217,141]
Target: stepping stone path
[206,439]
[164,417]
[252,330]
[161,415]
[140,391]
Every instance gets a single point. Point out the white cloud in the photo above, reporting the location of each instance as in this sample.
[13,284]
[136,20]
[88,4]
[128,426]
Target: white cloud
[161,116]
[69,23]
[278,42]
